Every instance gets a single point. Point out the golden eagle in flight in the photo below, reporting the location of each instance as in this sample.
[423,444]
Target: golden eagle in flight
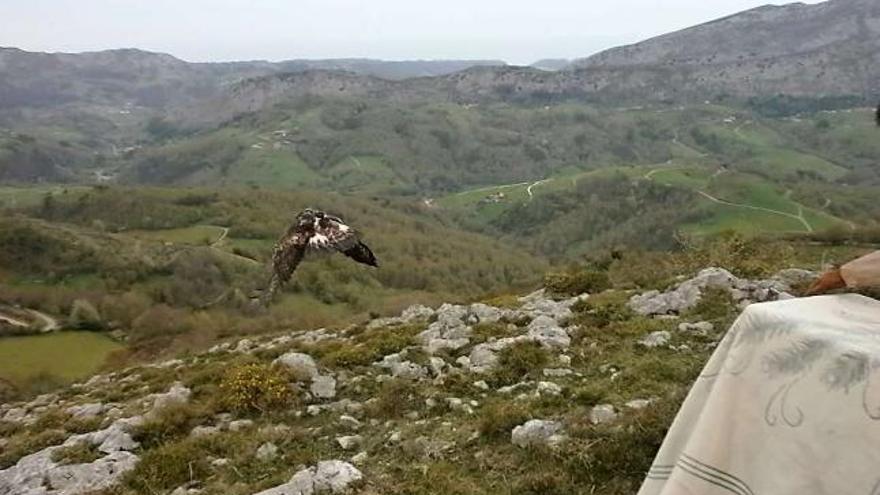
[313,231]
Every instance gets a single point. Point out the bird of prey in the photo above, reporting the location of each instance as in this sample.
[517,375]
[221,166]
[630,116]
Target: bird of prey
[313,231]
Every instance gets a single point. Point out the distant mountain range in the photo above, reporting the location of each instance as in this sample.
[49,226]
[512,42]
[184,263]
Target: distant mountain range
[154,79]
[827,49]
[831,48]
[68,116]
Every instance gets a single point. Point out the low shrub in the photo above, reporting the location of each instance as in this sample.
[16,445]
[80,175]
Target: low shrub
[255,388]
[172,421]
[78,453]
[577,282]
[498,418]
[168,467]
[519,361]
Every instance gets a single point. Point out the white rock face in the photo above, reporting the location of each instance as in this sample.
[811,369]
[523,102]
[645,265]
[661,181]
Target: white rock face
[177,394]
[86,410]
[302,365]
[409,315]
[483,313]
[547,332]
[687,294]
[38,474]
[326,477]
[84,478]
[537,432]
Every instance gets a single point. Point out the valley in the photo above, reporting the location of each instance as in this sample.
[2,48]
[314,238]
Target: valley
[561,248]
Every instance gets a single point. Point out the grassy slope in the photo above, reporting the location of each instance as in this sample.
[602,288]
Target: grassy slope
[131,251]
[67,355]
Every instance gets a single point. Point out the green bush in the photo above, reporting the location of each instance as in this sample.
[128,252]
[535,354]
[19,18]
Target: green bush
[498,418]
[519,361]
[84,316]
[256,388]
[172,421]
[25,444]
[78,453]
[577,282]
[394,399]
[168,467]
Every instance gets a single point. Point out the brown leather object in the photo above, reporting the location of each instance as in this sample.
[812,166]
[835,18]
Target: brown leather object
[828,282]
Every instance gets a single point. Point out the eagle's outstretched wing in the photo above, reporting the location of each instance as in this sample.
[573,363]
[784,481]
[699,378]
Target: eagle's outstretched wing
[332,234]
[313,231]
[288,253]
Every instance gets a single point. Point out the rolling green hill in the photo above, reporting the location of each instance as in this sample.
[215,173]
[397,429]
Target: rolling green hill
[175,266]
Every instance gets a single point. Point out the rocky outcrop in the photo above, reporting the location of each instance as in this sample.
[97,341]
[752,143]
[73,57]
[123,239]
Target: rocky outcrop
[326,477]
[537,432]
[688,294]
[39,474]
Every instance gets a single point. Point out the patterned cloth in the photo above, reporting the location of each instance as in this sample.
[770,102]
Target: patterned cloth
[789,404]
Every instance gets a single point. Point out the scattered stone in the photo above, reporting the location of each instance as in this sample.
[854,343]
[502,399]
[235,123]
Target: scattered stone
[557,372]
[323,387]
[537,432]
[267,452]
[701,328]
[241,424]
[483,313]
[360,458]
[603,413]
[547,332]
[204,431]
[395,437]
[15,415]
[437,365]
[482,385]
[222,462]
[656,339]
[350,422]
[408,370]
[638,404]
[564,360]
[85,478]
[548,388]
[482,357]
[350,442]
[86,410]
[302,365]
[326,477]
[244,345]
[177,394]
[687,294]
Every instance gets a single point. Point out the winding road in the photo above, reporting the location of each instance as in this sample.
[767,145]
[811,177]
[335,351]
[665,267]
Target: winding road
[799,217]
[50,324]
[222,237]
[529,189]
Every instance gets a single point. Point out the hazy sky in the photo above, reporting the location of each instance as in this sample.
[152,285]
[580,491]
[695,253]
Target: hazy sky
[209,30]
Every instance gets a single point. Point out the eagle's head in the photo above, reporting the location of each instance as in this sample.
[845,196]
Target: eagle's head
[308,217]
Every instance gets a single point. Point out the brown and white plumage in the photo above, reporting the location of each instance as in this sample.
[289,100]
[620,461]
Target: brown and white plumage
[313,231]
